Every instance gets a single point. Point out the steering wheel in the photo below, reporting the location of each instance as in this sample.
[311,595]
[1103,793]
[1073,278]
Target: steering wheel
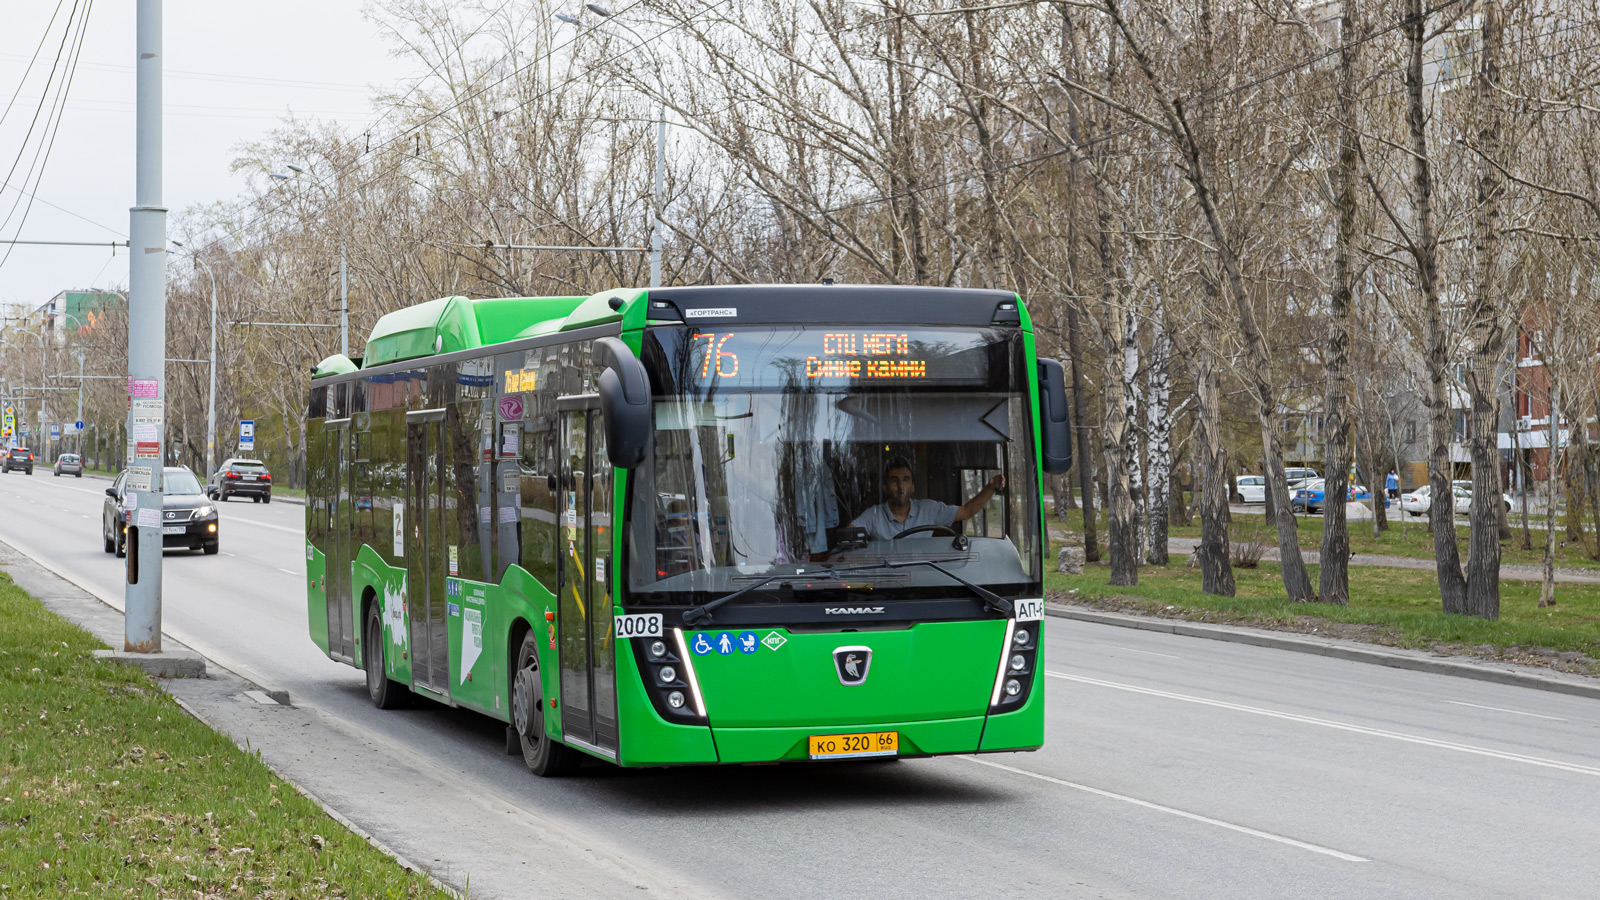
[921,528]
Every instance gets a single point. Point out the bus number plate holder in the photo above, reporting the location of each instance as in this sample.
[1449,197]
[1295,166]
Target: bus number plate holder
[854,746]
[638,625]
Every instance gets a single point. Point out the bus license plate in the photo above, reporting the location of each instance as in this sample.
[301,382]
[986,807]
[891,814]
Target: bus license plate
[172,529]
[853,746]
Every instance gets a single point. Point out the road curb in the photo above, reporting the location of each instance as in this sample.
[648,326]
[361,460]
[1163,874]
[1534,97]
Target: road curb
[1335,649]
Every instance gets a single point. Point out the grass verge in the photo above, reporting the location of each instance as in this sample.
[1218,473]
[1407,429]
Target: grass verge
[1398,607]
[108,789]
[1413,541]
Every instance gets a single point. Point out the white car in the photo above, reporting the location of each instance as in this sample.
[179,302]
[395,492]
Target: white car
[1298,477]
[1252,489]
[1420,500]
[1467,486]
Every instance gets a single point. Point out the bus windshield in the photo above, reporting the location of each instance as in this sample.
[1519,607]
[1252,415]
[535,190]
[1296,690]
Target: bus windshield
[808,451]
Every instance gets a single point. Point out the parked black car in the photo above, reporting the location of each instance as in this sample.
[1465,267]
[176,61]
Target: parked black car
[18,458]
[238,477]
[187,517]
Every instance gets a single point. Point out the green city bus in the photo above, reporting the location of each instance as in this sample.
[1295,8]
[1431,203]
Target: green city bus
[689,525]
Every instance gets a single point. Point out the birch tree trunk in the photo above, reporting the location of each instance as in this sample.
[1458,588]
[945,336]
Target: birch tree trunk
[1158,435]
[1334,582]
[1547,584]
[1487,337]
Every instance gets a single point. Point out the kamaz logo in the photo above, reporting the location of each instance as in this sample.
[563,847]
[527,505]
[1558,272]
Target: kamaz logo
[853,610]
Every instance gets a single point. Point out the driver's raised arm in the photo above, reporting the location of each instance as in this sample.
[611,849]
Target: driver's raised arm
[970,508]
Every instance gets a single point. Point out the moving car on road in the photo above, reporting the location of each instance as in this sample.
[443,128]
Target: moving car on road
[68,464]
[1252,489]
[187,517]
[18,458]
[241,478]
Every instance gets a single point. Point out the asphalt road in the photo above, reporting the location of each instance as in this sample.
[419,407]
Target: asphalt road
[1173,767]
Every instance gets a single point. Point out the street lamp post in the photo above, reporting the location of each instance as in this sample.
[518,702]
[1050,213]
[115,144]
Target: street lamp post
[344,280]
[661,133]
[211,405]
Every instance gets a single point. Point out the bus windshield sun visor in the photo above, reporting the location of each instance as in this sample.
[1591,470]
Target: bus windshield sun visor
[624,402]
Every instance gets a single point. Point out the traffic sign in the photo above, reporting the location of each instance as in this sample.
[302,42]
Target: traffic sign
[55,432]
[78,425]
[247,435]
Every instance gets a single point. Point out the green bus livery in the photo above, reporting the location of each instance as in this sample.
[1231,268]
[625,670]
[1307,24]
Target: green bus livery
[693,525]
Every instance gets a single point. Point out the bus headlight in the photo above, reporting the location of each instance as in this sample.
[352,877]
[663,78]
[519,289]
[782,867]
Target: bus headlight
[1014,675]
[669,678]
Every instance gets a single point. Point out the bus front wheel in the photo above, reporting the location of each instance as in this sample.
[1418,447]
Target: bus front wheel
[544,756]
[384,691]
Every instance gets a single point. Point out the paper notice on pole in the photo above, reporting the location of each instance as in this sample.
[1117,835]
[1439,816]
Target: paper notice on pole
[143,432]
[138,478]
[508,514]
[483,515]
[143,387]
[149,518]
[510,479]
[132,501]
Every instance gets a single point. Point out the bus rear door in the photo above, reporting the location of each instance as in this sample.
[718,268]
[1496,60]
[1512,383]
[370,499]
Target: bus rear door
[425,551]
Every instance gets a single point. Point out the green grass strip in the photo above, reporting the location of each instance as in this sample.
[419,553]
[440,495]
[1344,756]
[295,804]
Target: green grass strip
[108,789]
[1399,607]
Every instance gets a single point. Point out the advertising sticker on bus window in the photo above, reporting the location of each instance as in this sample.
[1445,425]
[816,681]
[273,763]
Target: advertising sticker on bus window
[399,529]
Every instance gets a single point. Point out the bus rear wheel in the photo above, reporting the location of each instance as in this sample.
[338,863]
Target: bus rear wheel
[543,756]
[384,691]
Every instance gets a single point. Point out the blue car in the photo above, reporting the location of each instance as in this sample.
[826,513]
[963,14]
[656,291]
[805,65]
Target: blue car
[1309,499]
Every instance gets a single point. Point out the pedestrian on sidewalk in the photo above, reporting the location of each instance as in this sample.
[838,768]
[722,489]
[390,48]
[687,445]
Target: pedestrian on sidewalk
[1391,484]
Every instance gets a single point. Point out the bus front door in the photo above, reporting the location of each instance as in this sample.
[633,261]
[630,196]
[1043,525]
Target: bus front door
[425,551]
[587,648]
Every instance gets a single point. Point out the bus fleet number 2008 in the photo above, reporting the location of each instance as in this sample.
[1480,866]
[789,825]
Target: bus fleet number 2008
[641,625]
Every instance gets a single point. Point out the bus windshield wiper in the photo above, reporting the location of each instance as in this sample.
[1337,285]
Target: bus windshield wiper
[992,602]
[703,612]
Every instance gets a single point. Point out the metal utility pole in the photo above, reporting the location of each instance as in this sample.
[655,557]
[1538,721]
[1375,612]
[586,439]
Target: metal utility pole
[344,305]
[661,131]
[147,344]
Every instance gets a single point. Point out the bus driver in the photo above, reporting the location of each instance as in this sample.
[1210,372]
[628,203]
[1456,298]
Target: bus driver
[902,511]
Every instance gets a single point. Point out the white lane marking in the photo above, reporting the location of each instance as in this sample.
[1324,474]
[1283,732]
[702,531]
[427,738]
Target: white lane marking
[226,553]
[287,572]
[1514,712]
[1146,652]
[300,530]
[1196,817]
[1575,768]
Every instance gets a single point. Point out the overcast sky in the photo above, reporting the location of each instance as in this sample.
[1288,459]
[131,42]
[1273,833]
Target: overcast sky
[233,71]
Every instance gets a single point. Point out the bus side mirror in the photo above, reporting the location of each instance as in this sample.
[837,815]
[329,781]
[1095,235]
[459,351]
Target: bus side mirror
[624,402]
[1055,427]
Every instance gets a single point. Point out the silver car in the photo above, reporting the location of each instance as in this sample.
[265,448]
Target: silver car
[68,464]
